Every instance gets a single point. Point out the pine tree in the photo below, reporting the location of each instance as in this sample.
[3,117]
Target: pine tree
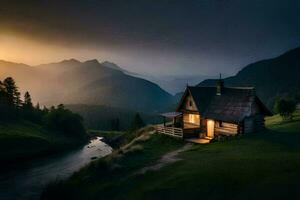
[137,122]
[4,108]
[27,101]
[37,107]
[3,94]
[285,108]
[13,95]
[18,101]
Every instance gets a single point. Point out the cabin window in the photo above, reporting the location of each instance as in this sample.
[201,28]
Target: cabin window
[191,103]
[191,119]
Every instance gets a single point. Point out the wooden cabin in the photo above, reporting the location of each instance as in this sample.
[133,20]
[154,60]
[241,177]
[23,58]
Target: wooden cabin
[207,112]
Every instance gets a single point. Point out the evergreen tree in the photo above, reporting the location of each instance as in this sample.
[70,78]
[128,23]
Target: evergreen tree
[37,107]
[137,122]
[28,111]
[2,87]
[45,110]
[4,108]
[13,94]
[285,108]
[65,121]
[18,101]
[27,101]
[3,94]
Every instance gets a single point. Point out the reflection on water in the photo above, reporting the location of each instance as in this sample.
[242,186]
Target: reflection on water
[27,182]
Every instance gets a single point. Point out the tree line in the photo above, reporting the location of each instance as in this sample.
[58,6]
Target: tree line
[14,108]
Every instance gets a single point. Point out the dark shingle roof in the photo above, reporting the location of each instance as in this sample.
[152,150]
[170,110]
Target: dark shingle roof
[234,104]
[202,96]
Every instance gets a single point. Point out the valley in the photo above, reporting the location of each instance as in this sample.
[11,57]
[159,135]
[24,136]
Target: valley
[249,166]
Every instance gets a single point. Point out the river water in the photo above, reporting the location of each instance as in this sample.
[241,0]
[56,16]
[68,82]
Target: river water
[28,180]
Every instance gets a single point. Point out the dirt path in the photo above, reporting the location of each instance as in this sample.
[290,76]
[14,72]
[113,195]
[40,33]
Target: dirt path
[168,158]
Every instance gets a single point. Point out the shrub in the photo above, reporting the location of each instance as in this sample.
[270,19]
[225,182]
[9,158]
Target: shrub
[285,108]
[64,120]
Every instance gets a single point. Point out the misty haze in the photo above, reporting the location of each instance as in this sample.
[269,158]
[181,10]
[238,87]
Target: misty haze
[149,99]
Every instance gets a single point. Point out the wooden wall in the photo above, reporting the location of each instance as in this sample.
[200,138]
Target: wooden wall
[254,123]
[249,125]
[187,118]
[225,128]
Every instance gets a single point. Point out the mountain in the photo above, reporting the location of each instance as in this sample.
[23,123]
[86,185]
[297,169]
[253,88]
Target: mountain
[176,83]
[90,82]
[272,78]
[171,83]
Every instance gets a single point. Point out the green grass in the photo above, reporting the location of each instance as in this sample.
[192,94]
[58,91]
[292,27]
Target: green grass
[277,124]
[22,140]
[264,165]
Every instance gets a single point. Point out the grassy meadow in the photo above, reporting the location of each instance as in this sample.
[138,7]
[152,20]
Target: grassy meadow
[263,165]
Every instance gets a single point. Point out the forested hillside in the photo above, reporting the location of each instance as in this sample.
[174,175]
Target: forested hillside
[27,131]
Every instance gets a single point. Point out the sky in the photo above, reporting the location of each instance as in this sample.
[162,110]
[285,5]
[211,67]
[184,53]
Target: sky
[153,37]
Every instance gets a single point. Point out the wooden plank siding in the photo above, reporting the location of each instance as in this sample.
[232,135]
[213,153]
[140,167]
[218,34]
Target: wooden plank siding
[254,124]
[225,128]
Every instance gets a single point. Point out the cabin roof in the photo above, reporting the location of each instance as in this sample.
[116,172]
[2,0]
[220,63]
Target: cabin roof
[171,114]
[234,104]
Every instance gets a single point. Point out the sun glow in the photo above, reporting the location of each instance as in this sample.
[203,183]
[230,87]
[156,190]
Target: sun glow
[18,49]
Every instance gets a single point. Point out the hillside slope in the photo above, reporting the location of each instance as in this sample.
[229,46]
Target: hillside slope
[90,82]
[22,140]
[272,78]
[263,165]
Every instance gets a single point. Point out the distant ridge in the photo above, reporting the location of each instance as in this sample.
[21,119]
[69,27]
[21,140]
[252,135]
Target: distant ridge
[90,82]
[272,78]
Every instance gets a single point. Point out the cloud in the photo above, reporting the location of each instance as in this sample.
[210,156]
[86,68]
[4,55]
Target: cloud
[218,35]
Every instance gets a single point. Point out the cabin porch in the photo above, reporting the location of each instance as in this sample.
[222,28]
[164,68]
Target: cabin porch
[193,129]
[178,124]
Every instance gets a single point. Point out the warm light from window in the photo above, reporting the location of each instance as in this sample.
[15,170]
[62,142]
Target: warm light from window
[194,119]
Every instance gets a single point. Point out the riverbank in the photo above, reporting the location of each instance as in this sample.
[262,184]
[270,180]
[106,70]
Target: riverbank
[116,139]
[27,180]
[112,138]
[264,165]
[22,141]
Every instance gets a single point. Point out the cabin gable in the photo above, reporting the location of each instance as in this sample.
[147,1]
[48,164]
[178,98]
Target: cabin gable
[187,103]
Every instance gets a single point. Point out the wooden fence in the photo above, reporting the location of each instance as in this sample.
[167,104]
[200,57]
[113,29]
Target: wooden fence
[172,131]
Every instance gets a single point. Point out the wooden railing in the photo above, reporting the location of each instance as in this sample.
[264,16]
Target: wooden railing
[172,131]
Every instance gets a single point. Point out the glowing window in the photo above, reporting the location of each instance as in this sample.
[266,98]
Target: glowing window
[194,119]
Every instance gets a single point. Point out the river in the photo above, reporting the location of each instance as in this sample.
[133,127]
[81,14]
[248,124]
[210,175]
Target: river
[27,181]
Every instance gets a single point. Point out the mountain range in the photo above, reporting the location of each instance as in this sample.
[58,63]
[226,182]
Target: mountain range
[107,84]
[272,78]
[89,82]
